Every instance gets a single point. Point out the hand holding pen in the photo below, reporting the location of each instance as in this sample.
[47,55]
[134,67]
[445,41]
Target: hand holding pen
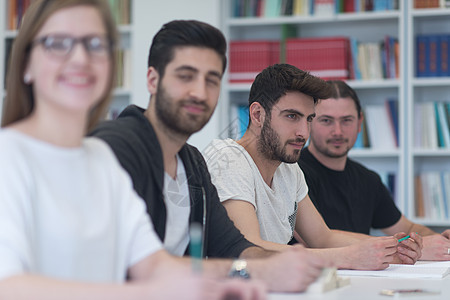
[409,248]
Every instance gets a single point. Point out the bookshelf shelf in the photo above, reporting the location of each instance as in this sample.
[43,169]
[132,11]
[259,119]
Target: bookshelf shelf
[357,84]
[10,34]
[431,81]
[443,153]
[430,12]
[369,153]
[121,92]
[432,223]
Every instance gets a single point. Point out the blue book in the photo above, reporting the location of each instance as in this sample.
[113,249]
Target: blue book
[272,8]
[359,141]
[433,55]
[392,108]
[355,64]
[380,5]
[443,125]
[243,119]
[444,55]
[422,56]
[440,134]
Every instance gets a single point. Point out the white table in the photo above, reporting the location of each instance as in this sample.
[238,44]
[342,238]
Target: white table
[368,288]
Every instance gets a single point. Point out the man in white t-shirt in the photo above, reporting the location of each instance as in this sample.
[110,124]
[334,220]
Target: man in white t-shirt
[263,189]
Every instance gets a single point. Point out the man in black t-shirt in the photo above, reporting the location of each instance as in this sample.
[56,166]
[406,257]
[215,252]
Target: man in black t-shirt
[349,196]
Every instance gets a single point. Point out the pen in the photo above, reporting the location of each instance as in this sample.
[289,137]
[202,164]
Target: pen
[195,247]
[404,238]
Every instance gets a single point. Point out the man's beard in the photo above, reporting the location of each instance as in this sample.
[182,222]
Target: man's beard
[169,113]
[328,153]
[269,145]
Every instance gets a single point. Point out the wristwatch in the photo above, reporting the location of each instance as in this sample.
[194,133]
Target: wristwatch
[239,269]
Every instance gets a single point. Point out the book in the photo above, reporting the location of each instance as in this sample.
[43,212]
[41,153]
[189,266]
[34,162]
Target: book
[426,135]
[381,134]
[325,57]
[272,8]
[354,67]
[442,125]
[444,55]
[248,58]
[421,56]
[419,204]
[433,55]
[392,108]
[324,7]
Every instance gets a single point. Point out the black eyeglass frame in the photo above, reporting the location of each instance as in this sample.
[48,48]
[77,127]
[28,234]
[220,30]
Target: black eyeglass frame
[84,40]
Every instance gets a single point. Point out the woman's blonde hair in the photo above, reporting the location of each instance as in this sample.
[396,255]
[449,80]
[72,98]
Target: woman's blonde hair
[19,101]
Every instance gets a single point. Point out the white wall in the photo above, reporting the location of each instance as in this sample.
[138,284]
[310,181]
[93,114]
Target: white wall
[149,16]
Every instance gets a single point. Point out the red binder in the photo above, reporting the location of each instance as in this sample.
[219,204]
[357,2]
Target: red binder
[248,58]
[328,58]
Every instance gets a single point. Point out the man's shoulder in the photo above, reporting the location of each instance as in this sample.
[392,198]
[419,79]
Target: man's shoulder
[130,128]
[308,164]
[223,148]
[360,169]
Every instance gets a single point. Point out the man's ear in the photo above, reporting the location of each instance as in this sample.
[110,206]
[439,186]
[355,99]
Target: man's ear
[152,80]
[257,114]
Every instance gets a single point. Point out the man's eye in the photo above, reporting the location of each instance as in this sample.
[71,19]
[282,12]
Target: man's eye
[213,81]
[185,77]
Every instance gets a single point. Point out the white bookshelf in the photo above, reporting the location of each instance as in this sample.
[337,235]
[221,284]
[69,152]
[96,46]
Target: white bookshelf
[420,89]
[365,27]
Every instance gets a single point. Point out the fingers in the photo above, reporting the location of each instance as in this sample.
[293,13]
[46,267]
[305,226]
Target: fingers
[446,234]
[243,290]
[417,238]
[411,247]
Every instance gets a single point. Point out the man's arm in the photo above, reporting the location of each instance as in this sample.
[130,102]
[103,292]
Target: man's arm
[435,246]
[244,217]
[354,251]
[151,278]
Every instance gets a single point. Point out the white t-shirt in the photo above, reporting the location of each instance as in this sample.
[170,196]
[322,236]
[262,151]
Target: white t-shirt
[69,213]
[236,176]
[178,207]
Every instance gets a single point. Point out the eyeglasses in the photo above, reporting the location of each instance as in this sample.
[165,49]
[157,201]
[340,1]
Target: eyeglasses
[62,45]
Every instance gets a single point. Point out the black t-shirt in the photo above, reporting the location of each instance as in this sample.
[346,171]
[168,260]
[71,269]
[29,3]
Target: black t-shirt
[354,199]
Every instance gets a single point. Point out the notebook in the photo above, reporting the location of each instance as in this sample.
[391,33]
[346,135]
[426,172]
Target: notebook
[436,270]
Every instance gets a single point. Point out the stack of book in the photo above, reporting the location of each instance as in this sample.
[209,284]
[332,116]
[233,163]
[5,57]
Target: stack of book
[375,60]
